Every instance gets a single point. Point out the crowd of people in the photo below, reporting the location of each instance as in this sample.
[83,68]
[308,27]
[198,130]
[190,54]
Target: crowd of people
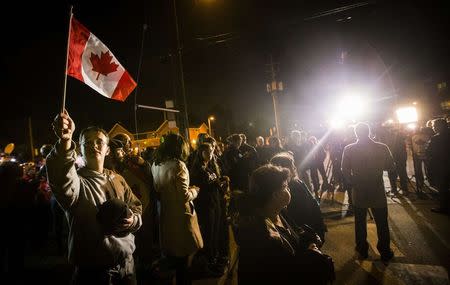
[173,207]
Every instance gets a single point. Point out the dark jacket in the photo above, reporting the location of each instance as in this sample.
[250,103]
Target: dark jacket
[304,209]
[363,163]
[269,254]
[265,255]
[206,179]
[439,156]
[233,162]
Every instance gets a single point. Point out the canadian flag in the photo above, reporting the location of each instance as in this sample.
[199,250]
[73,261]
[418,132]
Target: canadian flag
[91,62]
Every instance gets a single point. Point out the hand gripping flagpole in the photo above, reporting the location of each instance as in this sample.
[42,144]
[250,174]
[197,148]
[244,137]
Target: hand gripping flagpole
[67,62]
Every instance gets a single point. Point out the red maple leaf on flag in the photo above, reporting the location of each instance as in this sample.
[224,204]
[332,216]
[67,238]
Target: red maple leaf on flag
[103,64]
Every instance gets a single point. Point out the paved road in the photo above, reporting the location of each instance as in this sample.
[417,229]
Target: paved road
[420,240]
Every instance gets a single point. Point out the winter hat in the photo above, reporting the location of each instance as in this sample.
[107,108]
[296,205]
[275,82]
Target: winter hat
[111,214]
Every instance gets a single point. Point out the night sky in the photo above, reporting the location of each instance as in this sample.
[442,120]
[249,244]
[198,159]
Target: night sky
[226,75]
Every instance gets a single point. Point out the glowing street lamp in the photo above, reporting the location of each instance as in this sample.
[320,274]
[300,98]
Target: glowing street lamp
[210,118]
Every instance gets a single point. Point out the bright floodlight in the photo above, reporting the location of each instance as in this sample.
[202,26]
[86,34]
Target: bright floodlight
[407,115]
[351,107]
[336,124]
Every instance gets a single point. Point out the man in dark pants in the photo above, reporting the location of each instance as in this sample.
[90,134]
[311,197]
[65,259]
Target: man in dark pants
[362,165]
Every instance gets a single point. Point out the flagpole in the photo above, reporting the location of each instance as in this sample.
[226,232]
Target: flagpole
[67,62]
[144,29]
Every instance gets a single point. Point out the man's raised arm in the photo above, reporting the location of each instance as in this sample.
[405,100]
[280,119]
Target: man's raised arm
[61,171]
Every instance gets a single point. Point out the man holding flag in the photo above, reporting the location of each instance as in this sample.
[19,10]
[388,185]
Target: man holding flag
[101,209]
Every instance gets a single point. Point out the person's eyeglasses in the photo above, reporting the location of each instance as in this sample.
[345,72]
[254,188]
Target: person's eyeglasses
[98,142]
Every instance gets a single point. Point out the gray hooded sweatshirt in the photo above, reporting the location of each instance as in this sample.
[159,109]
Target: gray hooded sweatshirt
[80,193]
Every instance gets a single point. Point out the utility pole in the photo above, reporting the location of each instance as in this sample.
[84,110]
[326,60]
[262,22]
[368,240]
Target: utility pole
[144,29]
[274,88]
[30,131]
[180,64]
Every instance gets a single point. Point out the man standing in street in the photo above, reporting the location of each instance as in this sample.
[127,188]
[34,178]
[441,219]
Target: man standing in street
[363,163]
[102,252]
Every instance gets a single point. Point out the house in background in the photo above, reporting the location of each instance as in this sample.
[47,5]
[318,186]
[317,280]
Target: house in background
[194,132]
[152,138]
[119,129]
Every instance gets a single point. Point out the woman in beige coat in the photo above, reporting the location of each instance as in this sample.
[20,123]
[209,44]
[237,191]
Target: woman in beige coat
[180,233]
